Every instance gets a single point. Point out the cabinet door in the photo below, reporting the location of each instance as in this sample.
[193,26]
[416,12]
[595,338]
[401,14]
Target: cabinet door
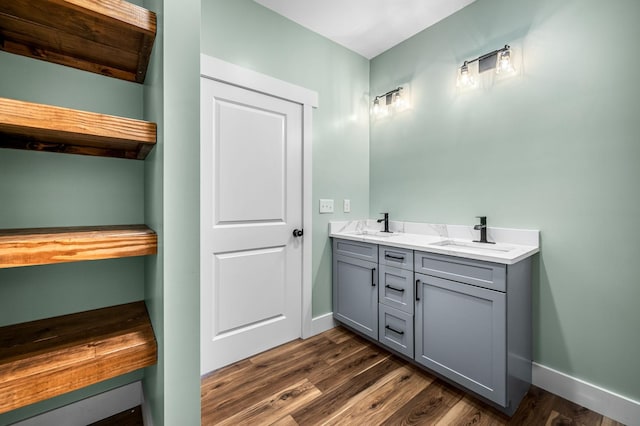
[355,294]
[460,333]
[396,288]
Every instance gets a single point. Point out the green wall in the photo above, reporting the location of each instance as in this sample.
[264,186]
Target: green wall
[46,189]
[172,199]
[554,148]
[247,34]
[181,212]
[153,382]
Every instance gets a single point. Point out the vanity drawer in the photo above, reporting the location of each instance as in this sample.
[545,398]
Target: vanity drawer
[395,330]
[396,257]
[396,288]
[475,272]
[363,251]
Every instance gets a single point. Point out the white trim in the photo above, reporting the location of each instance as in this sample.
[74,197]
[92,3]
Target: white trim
[92,409]
[322,323]
[307,220]
[595,398]
[147,415]
[226,72]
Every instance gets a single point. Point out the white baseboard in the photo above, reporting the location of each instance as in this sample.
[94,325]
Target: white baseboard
[595,398]
[322,323]
[92,409]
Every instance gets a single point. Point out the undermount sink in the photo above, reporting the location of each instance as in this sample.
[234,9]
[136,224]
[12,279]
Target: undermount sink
[474,246]
[378,234]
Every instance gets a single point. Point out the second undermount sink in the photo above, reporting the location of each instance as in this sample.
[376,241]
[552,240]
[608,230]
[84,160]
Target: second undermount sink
[474,246]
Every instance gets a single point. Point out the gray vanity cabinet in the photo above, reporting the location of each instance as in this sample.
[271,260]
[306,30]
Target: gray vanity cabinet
[355,285]
[473,324]
[461,334]
[467,320]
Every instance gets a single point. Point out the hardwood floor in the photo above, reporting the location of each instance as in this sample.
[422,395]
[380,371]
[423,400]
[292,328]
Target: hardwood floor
[338,378]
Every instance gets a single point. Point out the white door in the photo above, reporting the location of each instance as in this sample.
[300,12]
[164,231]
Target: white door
[251,204]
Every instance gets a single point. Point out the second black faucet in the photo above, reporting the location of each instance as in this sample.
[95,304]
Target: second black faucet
[386,222]
[482,227]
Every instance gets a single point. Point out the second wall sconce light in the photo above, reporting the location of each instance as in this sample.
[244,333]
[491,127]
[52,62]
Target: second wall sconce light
[499,59]
[393,100]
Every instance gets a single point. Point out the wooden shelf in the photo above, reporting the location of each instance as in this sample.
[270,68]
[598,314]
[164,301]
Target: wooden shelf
[109,37]
[45,358]
[41,246]
[26,125]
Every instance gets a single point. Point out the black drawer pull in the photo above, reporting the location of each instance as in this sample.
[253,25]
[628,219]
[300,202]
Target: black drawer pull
[394,330]
[401,290]
[390,256]
[373,277]
[417,285]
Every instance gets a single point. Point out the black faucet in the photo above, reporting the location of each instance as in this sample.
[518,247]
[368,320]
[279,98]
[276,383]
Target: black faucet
[482,227]
[386,222]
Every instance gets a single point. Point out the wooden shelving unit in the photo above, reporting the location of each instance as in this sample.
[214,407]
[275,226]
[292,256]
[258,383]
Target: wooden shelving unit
[45,358]
[109,37]
[42,246]
[26,125]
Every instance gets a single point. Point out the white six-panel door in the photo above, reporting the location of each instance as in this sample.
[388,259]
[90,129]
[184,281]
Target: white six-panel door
[251,203]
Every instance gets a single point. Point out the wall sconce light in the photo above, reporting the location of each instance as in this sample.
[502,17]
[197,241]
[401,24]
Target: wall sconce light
[393,100]
[465,78]
[499,59]
[504,61]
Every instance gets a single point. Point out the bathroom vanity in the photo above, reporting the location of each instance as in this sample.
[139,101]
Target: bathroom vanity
[460,309]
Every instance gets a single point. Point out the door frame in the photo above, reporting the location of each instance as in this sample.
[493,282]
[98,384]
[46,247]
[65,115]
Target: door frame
[226,72]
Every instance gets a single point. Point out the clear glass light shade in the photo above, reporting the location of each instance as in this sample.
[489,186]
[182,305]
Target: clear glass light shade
[376,107]
[380,109]
[399,102]
[504,64]
[465,77]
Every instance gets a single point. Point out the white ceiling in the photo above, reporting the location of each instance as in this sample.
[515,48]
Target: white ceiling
[368,27]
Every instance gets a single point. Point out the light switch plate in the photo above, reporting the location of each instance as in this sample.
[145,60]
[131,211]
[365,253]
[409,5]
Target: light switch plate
[346,206]
[326,206]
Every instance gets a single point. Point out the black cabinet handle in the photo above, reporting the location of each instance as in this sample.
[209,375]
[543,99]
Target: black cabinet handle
[417,285]
[390,256]
[373,277]
[394,330]
[401,290]
[297,233]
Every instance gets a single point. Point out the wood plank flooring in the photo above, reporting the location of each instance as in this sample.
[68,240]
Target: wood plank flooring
[338,378]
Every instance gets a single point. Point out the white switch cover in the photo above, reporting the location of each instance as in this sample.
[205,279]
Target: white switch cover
[326,206]
[346,206]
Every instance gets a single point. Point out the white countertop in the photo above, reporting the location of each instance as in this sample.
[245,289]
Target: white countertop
[511,245]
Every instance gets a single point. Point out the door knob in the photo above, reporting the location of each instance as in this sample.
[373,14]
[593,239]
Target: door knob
[297,232]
